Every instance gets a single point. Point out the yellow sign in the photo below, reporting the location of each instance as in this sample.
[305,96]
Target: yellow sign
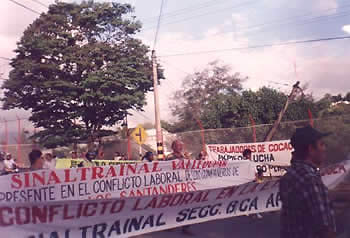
[73,163]
[139,135]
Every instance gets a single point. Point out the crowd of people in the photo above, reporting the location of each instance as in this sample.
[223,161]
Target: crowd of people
[307,210]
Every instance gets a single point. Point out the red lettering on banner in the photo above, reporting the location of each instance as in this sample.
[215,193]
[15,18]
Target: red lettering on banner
[226,192]
[53,177]
[282,146]
[97,172]
[53,211]
[144,168]
[152,203]
[22,215]
[83,173]
[199,164]
[111,172]
[92,212]
[5,212]
[117,206]
[65,213]
[155,167]
[16,181]
[136,205]
[67,177]
[40,214]
[104,207]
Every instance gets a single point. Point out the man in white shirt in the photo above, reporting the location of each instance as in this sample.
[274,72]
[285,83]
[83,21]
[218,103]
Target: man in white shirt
[50,162]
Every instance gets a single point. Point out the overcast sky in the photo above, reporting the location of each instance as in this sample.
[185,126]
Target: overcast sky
[204,25]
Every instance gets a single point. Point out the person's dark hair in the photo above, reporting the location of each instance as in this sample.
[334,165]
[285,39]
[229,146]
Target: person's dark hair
[260,172]
[34,156]
[147,155]
[302,151]
[247,152]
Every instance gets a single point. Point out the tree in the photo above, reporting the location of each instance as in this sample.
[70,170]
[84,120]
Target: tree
[201,88]
[79,68]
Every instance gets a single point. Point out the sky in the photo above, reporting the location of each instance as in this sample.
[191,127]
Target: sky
[206,25]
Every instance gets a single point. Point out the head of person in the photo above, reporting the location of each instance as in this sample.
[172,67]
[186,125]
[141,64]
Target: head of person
[8,156]
[74,154]
[149,156]
[260,173]
[91,155]
[36,159]
[201,155]
[177,146]
[2,156]
[247,154]
[48,156]
[308,145]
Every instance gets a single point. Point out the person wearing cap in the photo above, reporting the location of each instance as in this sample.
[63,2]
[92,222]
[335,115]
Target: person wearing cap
[306,208]
[87,162]
[148,157]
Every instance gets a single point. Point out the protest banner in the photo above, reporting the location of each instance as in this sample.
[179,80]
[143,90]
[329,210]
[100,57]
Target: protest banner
[125,217]
[73,163]
[268,156]
[124,180]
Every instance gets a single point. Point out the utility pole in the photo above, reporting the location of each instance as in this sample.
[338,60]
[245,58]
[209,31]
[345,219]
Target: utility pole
[295,90]
[160,151]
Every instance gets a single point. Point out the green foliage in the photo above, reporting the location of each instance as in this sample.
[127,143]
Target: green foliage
[79,68]
[205,91]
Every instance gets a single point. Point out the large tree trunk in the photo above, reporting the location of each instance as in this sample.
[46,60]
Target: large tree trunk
[273,129]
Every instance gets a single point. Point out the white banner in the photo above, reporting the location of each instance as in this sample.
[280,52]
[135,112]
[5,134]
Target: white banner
[269,156]
[124,180]
[125,217]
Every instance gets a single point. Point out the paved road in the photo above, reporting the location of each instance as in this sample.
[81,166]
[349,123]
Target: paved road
[243,227]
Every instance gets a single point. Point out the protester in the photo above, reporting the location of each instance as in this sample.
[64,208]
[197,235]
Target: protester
[306,207]
[247,154]
[36,160]
[50,161]
[202,155]
[177,147]
[74,155]
[10,164]
[2,164]
[88,160]
[148,157]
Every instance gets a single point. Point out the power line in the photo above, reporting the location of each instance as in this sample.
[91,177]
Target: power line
[40,3]
[195,7]
[260,46]
[158,24]
[287,20]
[24,6]
[207,13]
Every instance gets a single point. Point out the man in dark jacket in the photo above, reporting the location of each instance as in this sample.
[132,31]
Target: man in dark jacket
[306,209]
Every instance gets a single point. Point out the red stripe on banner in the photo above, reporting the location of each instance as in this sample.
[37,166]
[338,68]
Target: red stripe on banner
[253,127]
[310,117]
